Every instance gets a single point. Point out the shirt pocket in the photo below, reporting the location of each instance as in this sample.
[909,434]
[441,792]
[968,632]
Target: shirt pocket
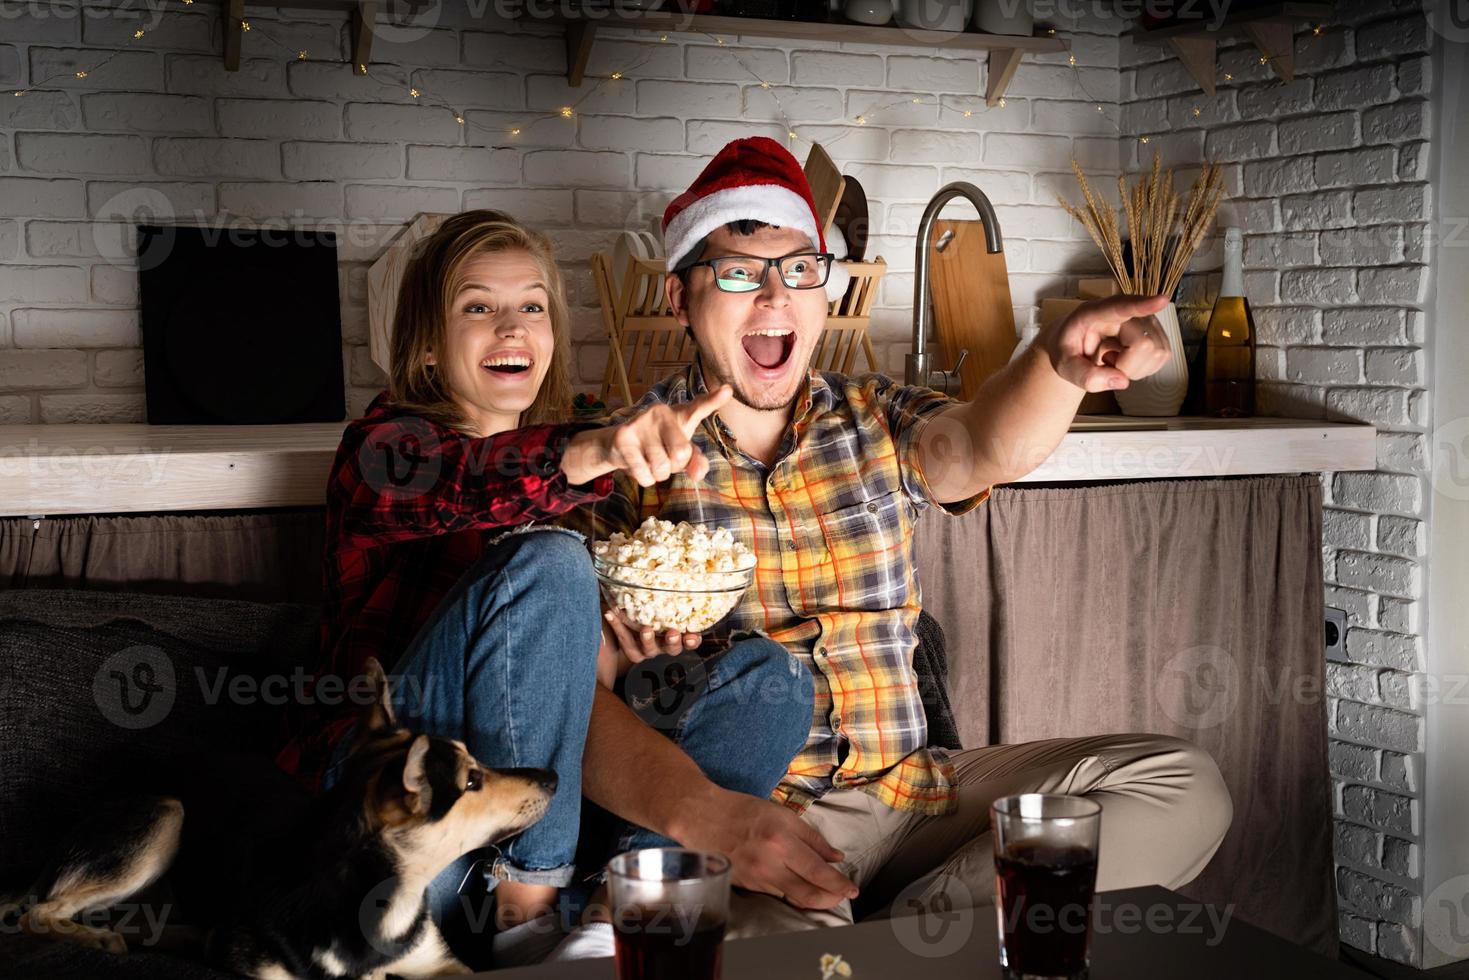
[866,544]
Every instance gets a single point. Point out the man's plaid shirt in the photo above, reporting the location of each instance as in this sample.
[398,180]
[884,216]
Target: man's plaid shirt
[831,522]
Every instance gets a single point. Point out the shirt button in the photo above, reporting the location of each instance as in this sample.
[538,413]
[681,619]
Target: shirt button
[790,544]
[821,652]
[872,508]
[836,723]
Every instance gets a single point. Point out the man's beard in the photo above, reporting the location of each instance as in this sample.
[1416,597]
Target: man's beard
[727,375]
[768,404]
[744,399]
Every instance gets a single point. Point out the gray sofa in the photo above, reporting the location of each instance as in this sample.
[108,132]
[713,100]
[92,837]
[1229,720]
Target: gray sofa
[75,720]
[96,685]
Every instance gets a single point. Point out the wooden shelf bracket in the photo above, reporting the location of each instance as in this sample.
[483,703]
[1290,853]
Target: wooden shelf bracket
[234,32]
[1003,62]
[364,15]
[1277,43]
[1199,57]
[579,37]
[1271,27]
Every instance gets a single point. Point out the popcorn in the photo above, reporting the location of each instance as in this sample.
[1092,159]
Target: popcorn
[833,965]
[692,575]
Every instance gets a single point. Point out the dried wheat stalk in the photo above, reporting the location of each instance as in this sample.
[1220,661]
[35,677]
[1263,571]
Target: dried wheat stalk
[1154,213]
[1101,223]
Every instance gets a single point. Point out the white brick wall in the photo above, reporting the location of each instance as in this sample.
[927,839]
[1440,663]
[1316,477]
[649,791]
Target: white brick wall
[164,126]
[1334,205]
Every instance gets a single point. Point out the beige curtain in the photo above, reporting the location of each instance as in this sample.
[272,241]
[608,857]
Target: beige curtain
[1188,607]
[265,556]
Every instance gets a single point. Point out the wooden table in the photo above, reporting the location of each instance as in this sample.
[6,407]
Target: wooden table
[1184,941]
[130,468]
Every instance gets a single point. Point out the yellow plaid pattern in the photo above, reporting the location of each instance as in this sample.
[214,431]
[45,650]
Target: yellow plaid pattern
[831,522]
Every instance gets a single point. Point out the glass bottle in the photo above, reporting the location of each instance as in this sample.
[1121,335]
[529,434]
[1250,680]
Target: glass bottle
[1229,355]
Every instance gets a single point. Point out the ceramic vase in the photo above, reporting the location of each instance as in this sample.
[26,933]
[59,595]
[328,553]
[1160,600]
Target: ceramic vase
[1160,393]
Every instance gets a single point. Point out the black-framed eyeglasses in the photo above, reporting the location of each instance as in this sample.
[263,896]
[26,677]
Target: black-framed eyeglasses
[746,273]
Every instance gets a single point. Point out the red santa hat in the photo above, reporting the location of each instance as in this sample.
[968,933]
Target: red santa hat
[750,179]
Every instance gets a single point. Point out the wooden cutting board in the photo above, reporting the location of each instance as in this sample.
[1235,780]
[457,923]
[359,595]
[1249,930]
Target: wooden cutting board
[827,184]
[971,302]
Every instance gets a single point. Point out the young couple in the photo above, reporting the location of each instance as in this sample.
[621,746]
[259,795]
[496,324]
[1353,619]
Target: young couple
[820,786]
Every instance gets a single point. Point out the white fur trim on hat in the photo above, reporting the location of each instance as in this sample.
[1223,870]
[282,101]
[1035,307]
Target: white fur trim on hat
[770,203]
[837,281]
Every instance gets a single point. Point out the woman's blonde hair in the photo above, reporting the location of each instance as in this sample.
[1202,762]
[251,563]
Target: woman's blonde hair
[425,302]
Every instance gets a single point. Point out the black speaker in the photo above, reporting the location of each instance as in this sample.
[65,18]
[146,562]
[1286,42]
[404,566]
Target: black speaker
[240,326]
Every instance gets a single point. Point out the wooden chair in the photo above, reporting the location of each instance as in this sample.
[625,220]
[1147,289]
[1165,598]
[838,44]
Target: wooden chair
[847,321]
[646,343]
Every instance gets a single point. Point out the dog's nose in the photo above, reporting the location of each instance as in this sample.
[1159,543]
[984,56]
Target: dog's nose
[543,778]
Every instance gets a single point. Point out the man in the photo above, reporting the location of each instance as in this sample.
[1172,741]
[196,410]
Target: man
[824,477]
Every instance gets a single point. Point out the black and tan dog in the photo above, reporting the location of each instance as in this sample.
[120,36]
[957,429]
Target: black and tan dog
[280,884]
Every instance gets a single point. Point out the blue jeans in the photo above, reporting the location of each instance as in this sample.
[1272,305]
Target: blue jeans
[507,664]
[742,715]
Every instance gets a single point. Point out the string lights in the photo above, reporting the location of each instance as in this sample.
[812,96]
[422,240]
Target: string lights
[78,73]
[618,75]
[570,112]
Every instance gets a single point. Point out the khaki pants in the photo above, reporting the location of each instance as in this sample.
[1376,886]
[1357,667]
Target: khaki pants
[1165,810]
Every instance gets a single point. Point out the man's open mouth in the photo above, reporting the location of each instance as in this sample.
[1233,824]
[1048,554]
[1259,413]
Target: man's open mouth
[506,364]
[769,349]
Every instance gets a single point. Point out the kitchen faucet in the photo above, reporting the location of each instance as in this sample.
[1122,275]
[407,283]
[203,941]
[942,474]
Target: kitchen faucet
[916,369]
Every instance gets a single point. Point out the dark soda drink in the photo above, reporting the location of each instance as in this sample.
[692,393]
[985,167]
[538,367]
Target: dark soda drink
[654,944]
[1045,902]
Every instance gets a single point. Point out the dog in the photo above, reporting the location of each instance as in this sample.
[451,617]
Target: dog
[280,884]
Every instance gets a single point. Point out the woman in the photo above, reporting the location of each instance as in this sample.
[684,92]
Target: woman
[490,629]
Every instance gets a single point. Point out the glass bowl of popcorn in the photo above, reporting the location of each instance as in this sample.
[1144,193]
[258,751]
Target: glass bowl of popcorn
[666,576]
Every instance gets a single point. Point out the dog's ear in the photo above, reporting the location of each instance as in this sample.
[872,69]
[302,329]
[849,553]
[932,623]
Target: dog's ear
[380,715]
[415,779]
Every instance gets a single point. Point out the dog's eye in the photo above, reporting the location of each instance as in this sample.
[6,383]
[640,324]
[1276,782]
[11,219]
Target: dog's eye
[473,781]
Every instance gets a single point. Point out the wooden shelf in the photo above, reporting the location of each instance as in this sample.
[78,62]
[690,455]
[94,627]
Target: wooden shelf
[582,30]
[1235,21]
[1189,446]
[102,469]
[1271,27]
[807,30]
[361,14]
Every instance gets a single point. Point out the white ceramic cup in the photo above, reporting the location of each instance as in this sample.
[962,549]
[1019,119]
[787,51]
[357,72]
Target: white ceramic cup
[934,15]
[1003,17]
[874,12]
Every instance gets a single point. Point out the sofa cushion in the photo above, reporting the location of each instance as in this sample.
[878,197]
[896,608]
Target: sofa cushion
[931,666]
[94,684]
